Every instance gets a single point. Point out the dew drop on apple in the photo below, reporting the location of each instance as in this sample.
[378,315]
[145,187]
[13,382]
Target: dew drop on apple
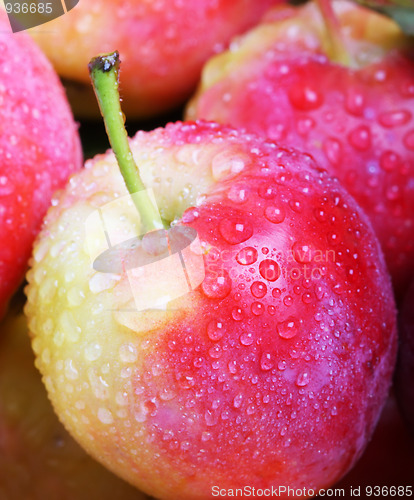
[390,161]
[257,308]
[237,314]
[269,270]
[235,231]
[275,215]
[246,338]
[395,118]
[247,256]
[237,401]
[185,381]
[266,361]
[258,289]
[360,138]
[215,330]
[105,416]
[128,353]
[217,285]
[409,140]
[302,379]
[232,366]
[333,150]
[215,352]
[288,300]
[211,418]
[304,97]
[287,329]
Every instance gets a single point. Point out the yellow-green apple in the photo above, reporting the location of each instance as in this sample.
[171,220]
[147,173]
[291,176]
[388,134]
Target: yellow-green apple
[38,458]
[163,44]
[352,110]
[39,148]
[272,372]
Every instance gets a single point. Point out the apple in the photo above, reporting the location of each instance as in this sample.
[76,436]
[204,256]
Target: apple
[163,44]
[292,80]
[388,459]
[272,371]
[38,458]
[404,376]
[39,149]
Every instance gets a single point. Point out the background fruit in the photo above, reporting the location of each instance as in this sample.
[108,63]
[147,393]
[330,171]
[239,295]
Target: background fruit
[281,80]
[163,46]
[39,148]
[405,367]
[282,374]
[38,458]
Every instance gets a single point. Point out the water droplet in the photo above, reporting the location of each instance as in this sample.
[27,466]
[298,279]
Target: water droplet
[302,380]
[267,191]
[237,314]
[128,353]
[247,256]
[215,330]
[302,253]
[360,138]
[296,206]
[185,381]
[276,215]
[394,118]
[305,125]
[266,361]
[271,310]
[235,231]
[409,140]
[257,308]
[237,401]
[217,285]
[232,365]
[93,351]
[333,150]
[276,293]
[246,339]
[287,329]
[269,270]
[288,300]
[393,193]
[238,194]
[307,298]
[215,352]
[355,102]
[390,161]
[105,416]
[258,289]
[304,97]
[281,365]
[210,417]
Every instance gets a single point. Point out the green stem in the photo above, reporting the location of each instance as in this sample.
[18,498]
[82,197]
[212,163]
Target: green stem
[340,51]
[104,73]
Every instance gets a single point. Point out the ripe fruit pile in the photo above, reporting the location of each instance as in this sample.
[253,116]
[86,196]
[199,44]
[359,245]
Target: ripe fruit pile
[263,352]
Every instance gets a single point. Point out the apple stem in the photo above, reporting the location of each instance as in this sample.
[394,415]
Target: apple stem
[341,53]
[104,73]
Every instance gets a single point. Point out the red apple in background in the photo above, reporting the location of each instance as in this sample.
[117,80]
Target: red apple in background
[39,148]
[38,458]
[285,80]
[163,43]
[405,367]
[279,362]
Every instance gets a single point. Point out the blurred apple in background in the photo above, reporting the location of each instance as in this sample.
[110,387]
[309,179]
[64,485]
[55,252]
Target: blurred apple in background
[39,149]
[38,458]
[163,45]
[347,101]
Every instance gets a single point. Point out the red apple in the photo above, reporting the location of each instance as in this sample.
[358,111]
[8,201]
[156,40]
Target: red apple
[272,372]
[163,44]
[39,148]
[285,80]
[38,458]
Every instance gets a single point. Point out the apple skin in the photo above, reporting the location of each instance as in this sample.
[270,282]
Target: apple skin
[280,80]
[38,458]
[39,149]
[404,376]
[284,375]
[163,46]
